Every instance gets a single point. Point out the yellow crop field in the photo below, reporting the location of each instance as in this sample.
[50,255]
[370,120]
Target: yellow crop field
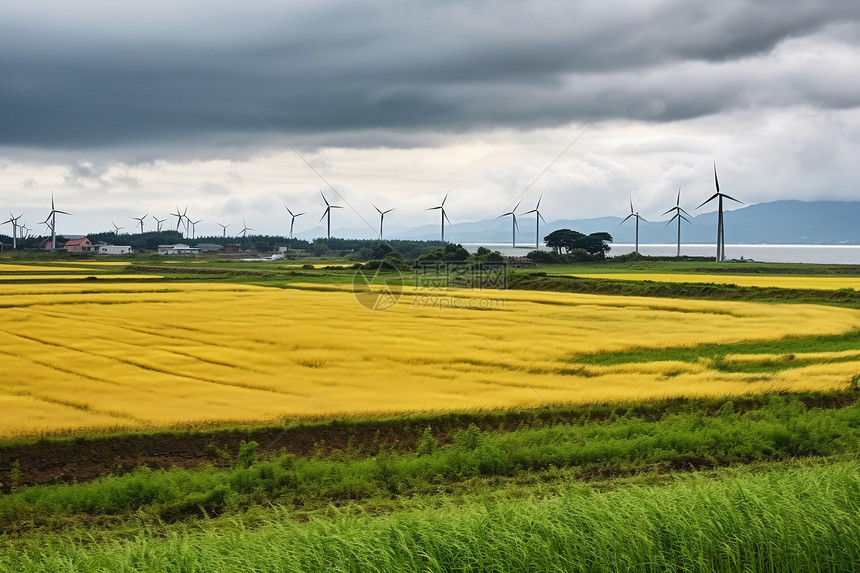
[793,281]
[10,268]
[70,277]
[137,355]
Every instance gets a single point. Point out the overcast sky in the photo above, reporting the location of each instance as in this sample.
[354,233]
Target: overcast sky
[237,108]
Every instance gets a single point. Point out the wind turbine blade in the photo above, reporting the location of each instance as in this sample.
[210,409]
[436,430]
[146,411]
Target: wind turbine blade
[64,213]
[518,206]
[716,181]
[298,214]
[631,204]
[324,214]
[687,220]
[678,200]
[683,211]
[667,211]
[541,216]
[527,212]
[434,208]
[642,219]
[625,219]
[324,199]
[733,199]
[444,214]
[714,196]
[538,203]
[445,199]
[389,211]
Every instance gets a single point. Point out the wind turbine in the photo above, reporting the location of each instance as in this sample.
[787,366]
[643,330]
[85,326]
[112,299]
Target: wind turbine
[677,210]
[14,220]
[224,229]
[179,216]
[721,233]
[538,218]
[638,217]
[381,217]
[514,226]
[159,222]
[245,228]
[327,214]
[194,227]
[292,223]
[116,228]
[52,216]
[441,207]
[141,221]
[27,230]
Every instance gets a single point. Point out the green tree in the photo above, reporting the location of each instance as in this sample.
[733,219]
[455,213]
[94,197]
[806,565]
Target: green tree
[563,240]
[450,252]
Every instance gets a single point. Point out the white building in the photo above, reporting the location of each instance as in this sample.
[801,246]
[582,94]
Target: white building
[179,249]
[114,250]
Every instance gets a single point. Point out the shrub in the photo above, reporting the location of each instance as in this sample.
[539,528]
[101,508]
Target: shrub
[427,443]
[248,454]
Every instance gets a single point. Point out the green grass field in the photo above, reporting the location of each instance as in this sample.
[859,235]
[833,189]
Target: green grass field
[711,486]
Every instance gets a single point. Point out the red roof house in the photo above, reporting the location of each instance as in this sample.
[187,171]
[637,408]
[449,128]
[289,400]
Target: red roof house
[79,245]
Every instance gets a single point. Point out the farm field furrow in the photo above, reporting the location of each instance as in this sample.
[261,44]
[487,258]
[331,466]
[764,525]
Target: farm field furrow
[100,356]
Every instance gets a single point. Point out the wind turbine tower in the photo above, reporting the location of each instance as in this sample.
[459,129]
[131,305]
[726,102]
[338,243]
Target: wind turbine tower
[245,228]
[514,226]
[381,218]
[441,207]
[721,234]
[327,215]
[678,215]
[538,219]
[52,216]
[638,217]
[14,220]
[140,219]
[292,223]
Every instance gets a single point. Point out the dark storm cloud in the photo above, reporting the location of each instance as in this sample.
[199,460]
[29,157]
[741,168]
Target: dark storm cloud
[89,79]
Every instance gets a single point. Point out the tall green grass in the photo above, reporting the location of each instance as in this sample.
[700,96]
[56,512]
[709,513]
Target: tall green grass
[787,520]
[783,429]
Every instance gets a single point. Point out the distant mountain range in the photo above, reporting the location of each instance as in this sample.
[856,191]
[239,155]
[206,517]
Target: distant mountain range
[775,223]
